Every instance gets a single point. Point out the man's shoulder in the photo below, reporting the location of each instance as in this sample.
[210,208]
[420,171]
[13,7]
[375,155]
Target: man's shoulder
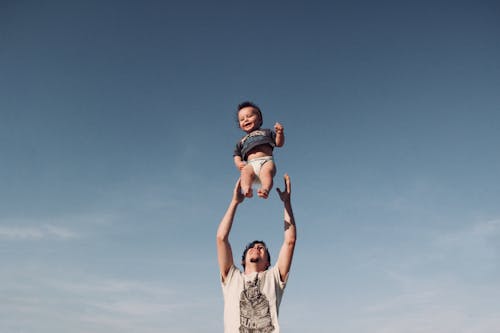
[233,270]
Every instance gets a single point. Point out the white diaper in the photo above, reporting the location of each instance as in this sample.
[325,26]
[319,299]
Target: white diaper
[257,164]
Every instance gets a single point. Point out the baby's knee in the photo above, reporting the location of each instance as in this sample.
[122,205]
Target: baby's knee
[269,168]
[247,171]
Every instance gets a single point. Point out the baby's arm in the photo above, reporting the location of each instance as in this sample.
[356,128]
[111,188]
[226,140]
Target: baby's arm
[239,162]
[280,135]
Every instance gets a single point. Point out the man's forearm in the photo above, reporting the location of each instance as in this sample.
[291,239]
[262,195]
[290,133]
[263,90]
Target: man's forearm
[289,221]
[227,222]
[286,253]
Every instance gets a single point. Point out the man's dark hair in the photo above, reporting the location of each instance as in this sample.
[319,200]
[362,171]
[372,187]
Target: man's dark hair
[253,105]
[251,245]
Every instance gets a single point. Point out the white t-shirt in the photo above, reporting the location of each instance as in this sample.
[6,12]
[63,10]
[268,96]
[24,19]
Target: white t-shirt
[251,302]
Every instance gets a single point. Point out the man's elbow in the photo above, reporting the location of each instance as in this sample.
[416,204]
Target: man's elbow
[221,238]
[290,241]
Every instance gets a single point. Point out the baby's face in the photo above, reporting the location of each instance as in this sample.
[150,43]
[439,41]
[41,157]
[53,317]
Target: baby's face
[249,119]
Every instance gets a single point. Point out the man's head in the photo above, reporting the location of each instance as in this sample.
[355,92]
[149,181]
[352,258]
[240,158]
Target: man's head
[256,252]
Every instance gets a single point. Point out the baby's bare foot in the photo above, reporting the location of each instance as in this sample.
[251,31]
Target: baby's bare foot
[247,193]
[263,193]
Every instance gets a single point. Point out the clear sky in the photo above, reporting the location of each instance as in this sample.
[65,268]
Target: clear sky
[117,125]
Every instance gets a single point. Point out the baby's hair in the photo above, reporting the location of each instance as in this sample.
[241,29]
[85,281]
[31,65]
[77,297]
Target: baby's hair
[249,104]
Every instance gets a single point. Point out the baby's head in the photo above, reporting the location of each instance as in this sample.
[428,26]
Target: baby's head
[249,108]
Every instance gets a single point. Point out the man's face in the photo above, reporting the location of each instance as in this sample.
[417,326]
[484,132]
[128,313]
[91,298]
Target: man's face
[257,255]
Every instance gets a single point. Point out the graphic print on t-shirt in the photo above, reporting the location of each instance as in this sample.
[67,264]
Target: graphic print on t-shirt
[253,136]
[255,314]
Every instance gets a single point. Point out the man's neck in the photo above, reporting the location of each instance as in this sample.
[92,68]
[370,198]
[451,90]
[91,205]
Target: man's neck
[249,269]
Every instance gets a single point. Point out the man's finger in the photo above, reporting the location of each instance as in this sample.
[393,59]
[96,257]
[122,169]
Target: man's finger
[238,185]
[287,183]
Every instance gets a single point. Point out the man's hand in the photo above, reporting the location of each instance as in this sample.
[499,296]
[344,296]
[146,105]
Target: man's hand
[237,195]
[241,165]
[285,195]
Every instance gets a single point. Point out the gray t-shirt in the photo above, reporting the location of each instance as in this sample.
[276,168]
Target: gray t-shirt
[254,139]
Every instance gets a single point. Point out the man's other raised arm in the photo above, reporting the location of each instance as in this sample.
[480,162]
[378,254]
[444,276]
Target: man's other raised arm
[286,253]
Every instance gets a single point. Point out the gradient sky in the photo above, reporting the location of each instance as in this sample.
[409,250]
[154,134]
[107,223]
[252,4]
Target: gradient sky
[117,125]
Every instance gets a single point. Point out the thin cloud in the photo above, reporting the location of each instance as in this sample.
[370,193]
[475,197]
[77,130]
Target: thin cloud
[126,297]
[478,240]
[112,286]
[53,227]
[448,286]
[135,307]
[430,304]
[36,233]
[101,303]
[479,232]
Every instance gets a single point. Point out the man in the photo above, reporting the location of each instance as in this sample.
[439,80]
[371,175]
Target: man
[252,297]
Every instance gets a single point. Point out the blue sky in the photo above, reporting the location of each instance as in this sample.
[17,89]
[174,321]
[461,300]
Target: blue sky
[117,126]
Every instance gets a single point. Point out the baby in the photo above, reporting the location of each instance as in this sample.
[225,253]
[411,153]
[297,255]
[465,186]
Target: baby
[253,154]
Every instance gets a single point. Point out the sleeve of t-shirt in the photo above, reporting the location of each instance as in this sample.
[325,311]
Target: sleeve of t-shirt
[273,135]
[229,276]
[237,150]
[277,277]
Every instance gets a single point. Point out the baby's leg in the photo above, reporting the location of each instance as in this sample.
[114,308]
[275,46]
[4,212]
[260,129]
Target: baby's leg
[266,175]
[247,176]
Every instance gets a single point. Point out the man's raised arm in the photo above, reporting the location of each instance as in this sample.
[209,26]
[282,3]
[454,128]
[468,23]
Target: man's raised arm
[286,253]
[224,252]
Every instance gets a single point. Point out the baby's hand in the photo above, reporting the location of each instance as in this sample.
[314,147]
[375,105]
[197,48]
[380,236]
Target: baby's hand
[241,165]
[278,128]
